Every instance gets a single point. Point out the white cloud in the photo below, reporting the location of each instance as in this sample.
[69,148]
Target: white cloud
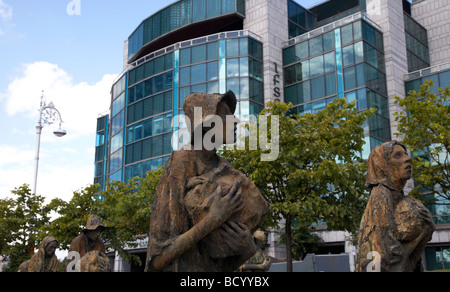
[79,104]
[6,11]
[66,164]
[6,15]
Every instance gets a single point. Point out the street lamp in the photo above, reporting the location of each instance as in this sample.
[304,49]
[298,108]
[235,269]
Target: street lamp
[48,115]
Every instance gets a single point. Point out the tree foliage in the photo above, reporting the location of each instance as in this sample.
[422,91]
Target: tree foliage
[304,241]
[21,218]
[319,173]
[425,130]
[126,209]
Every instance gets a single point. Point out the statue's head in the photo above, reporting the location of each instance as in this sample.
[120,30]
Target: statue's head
[49,245]
[94,226]
[212,114]
[389,165]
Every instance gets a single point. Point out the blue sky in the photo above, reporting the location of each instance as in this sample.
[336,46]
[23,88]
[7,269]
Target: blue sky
[74,59]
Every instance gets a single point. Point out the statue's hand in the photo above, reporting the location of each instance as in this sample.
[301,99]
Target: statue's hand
[238,238]
[223,206]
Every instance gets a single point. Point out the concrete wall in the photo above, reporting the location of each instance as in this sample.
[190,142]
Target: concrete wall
[434,15]
[268,19]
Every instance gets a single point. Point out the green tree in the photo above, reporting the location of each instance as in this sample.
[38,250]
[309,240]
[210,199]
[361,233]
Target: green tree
[126,209]
[425,130]
[304,241]
[72,215]
[21,218]
[318,174]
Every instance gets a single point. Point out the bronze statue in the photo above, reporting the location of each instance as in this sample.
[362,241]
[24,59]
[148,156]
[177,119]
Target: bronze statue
[260,262]
[44,260]
[205,211]
[87,242]
[394,228]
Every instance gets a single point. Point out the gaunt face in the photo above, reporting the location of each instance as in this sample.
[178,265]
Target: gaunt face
[93,234]
[50,249]
[400,163]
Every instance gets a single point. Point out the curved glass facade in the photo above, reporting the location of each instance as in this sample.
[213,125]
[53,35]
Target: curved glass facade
[178,15]
[347,61]
[151,93]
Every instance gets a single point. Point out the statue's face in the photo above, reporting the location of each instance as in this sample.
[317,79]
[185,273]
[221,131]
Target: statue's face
[50,249]
[400,162]
[93,234]
[229,123]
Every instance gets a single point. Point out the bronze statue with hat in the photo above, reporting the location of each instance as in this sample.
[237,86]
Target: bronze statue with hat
[89,246]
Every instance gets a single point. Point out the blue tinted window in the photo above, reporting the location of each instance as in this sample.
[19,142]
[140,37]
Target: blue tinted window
[316,66]
[213,50]
[213,8]
[199,10]
[185,57]
[198,54]
[185,76]
[315,46]
[232,47]
[198,73]
[232,67]
[213,70]
[318,88]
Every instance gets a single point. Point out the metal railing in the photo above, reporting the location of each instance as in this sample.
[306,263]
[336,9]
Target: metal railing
[330,27]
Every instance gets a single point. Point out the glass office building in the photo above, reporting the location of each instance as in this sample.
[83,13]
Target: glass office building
[262,50]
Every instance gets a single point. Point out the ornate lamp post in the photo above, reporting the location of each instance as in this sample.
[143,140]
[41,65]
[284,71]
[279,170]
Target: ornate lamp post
[48,115]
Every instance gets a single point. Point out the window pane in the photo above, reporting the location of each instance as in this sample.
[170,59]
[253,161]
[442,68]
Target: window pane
[147,128]
[289,55]
[304,92]
[328,41]
[359,52]
[330,84]
[199,54]
[168,101]
[228,6]
[330,62]
[362,99]
[243,43]
[302,50]
[315,46]
[159,65]
[357,34]
[199,10]
[289,75]
[213,87]
[198,73]
[243,68]
[232,47]
[316,66]
[158,104]
[158,125]
[233,85]
[185,56]
[444,79]
[213,8]
[347,34]
[349,78]
[244,88]
[185,76]
[318,88]
[348,55]
[213,50]
[148,107]
[232,67]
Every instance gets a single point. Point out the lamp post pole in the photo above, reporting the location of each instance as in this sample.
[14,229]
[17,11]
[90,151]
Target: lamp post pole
[48,114]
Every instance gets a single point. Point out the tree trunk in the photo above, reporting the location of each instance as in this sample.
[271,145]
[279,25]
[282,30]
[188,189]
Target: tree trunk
[288,243]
